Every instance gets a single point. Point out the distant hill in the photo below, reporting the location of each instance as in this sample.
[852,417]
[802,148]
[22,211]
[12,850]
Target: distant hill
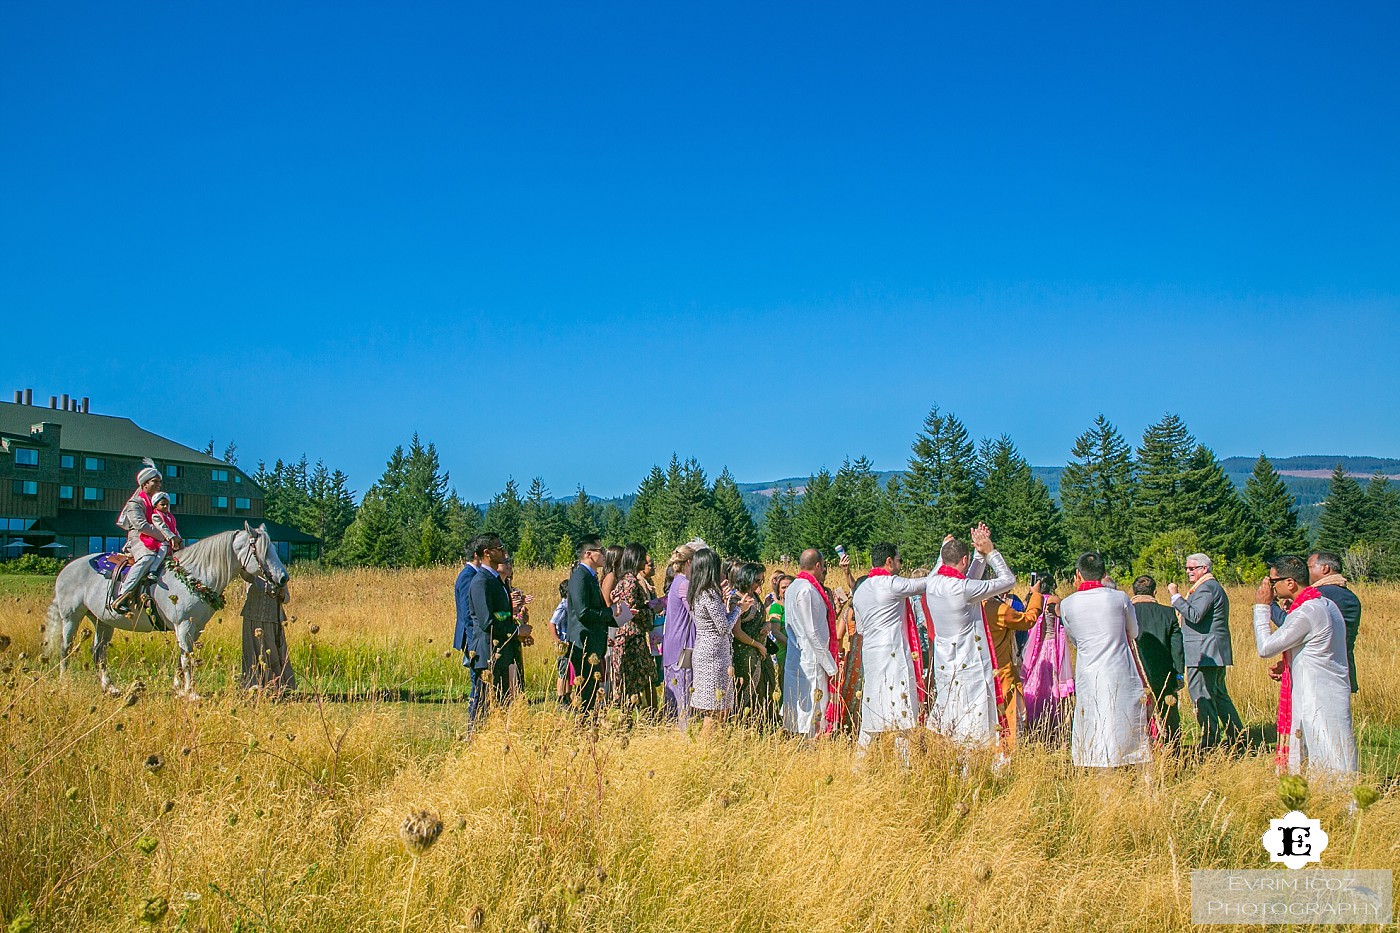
[1306,477]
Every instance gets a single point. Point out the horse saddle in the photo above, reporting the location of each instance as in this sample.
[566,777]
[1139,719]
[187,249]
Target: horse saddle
[113,566]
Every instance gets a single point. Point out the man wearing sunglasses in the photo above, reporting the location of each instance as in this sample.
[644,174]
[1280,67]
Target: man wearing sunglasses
[1315,702]
[1205,634]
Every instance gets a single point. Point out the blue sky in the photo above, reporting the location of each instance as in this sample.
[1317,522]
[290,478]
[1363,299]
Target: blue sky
[569,240]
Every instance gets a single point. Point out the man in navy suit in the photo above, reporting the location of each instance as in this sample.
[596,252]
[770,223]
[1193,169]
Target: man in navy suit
[497,642]
[486,550]
[462,634]
[588,621]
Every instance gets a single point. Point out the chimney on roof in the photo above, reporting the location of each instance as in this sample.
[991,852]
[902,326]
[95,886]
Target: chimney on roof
[19,396]
[87,405]
[65,402]
[29,396]
[53,401]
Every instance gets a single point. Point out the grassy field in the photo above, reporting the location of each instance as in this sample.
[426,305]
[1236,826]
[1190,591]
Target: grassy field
[245,815]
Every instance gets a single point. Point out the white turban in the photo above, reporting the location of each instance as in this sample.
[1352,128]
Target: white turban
[160,497]
[148,472]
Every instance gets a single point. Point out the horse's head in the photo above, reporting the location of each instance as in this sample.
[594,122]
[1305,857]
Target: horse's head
[257,557]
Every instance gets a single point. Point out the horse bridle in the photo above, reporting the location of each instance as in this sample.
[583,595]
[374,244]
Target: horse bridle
[263,572]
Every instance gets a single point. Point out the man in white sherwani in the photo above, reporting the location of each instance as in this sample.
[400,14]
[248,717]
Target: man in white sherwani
[964,706]
[1312,638]
[1110,694]
[810,667]
[890,697]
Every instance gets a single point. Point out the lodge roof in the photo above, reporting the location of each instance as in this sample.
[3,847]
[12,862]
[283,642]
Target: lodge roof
[105,434]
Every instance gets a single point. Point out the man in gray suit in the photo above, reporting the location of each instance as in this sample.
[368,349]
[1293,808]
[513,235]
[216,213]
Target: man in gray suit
[1205,631]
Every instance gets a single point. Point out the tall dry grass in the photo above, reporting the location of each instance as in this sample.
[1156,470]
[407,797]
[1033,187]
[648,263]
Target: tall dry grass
[259,816]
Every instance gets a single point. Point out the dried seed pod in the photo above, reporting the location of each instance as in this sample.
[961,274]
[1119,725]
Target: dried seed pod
[419,830]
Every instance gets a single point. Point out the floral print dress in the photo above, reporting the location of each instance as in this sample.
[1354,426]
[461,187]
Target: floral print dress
[633,670]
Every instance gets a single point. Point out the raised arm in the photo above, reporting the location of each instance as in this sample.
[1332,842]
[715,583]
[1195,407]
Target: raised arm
[1001,582]
[1291,634]
[1198,609]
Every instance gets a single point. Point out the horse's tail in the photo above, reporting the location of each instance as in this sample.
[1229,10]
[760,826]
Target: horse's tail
[53,633]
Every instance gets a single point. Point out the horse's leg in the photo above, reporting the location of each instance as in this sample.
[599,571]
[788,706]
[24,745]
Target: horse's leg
[69,623]
[101,638]
[184,637]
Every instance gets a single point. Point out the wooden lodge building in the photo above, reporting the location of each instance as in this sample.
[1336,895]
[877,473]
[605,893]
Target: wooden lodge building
[65,474]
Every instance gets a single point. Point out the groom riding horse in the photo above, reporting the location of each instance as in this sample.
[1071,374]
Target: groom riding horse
[143,538]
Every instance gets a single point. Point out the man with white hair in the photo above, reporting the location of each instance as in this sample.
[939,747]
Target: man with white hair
[1205,634]
[135,519]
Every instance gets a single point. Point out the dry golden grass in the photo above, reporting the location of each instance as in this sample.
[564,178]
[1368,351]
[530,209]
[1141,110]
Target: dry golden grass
[287,816]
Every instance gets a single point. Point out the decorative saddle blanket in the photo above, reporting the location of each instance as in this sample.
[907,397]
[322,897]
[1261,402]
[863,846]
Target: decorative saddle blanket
[106,564]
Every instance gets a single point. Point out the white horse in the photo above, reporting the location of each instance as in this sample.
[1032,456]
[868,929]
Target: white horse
[185,607]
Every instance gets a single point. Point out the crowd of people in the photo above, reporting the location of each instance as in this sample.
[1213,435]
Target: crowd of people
[951,650]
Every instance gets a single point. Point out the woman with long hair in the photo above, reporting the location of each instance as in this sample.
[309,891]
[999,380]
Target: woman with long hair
[607,580]
[753,668]
[632,669]
[714,617]
[777,632]
[678,637]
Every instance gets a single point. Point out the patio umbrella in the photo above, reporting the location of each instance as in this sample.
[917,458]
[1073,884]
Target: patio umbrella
[15,544]
[53,546]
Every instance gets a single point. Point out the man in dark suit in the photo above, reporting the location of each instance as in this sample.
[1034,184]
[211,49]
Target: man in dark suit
[1205,612]
[462,634]
[478,639]
[1325,572]
[588,621]
[497,637]
[1160,648]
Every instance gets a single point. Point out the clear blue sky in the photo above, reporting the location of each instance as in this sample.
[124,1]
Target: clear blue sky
[569,240]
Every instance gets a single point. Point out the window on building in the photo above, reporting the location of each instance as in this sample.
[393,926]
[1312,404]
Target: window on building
[65,492]
[220,502]
[26,457]
[219,476]
[242,503]
[95,544]
[115,544]
[16,524]
[237,478]
[92,494]
[172,470]
[174,499]
[284,550]
[26,487]
[65,461]
[96,464]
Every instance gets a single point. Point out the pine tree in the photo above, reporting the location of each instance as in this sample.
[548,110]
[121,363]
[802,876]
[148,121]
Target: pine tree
[503,516]
[940,486]
[1164,501]
[581,518]
[374,538]
[738,536]
[1344,513]
[1097,491]
[819,517]
[462,522]
[527,553]
[780,528]
[540,512]
[329,506]
[858,492]
[642,518]
[1220,517]
[1271,511]
[614,524]
[1018,508]
[564,553]
[889,515]
[1382,508]
[685,509]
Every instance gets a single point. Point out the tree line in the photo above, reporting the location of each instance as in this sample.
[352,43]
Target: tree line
[1145,507]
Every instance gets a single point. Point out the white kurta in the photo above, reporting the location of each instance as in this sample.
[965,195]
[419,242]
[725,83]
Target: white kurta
[1110,709]
[964,705]
[890,696]
[809,666]
[1313,638]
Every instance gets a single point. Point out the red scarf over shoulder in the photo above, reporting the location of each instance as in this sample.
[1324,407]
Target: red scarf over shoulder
[833,645]
[1285,688]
